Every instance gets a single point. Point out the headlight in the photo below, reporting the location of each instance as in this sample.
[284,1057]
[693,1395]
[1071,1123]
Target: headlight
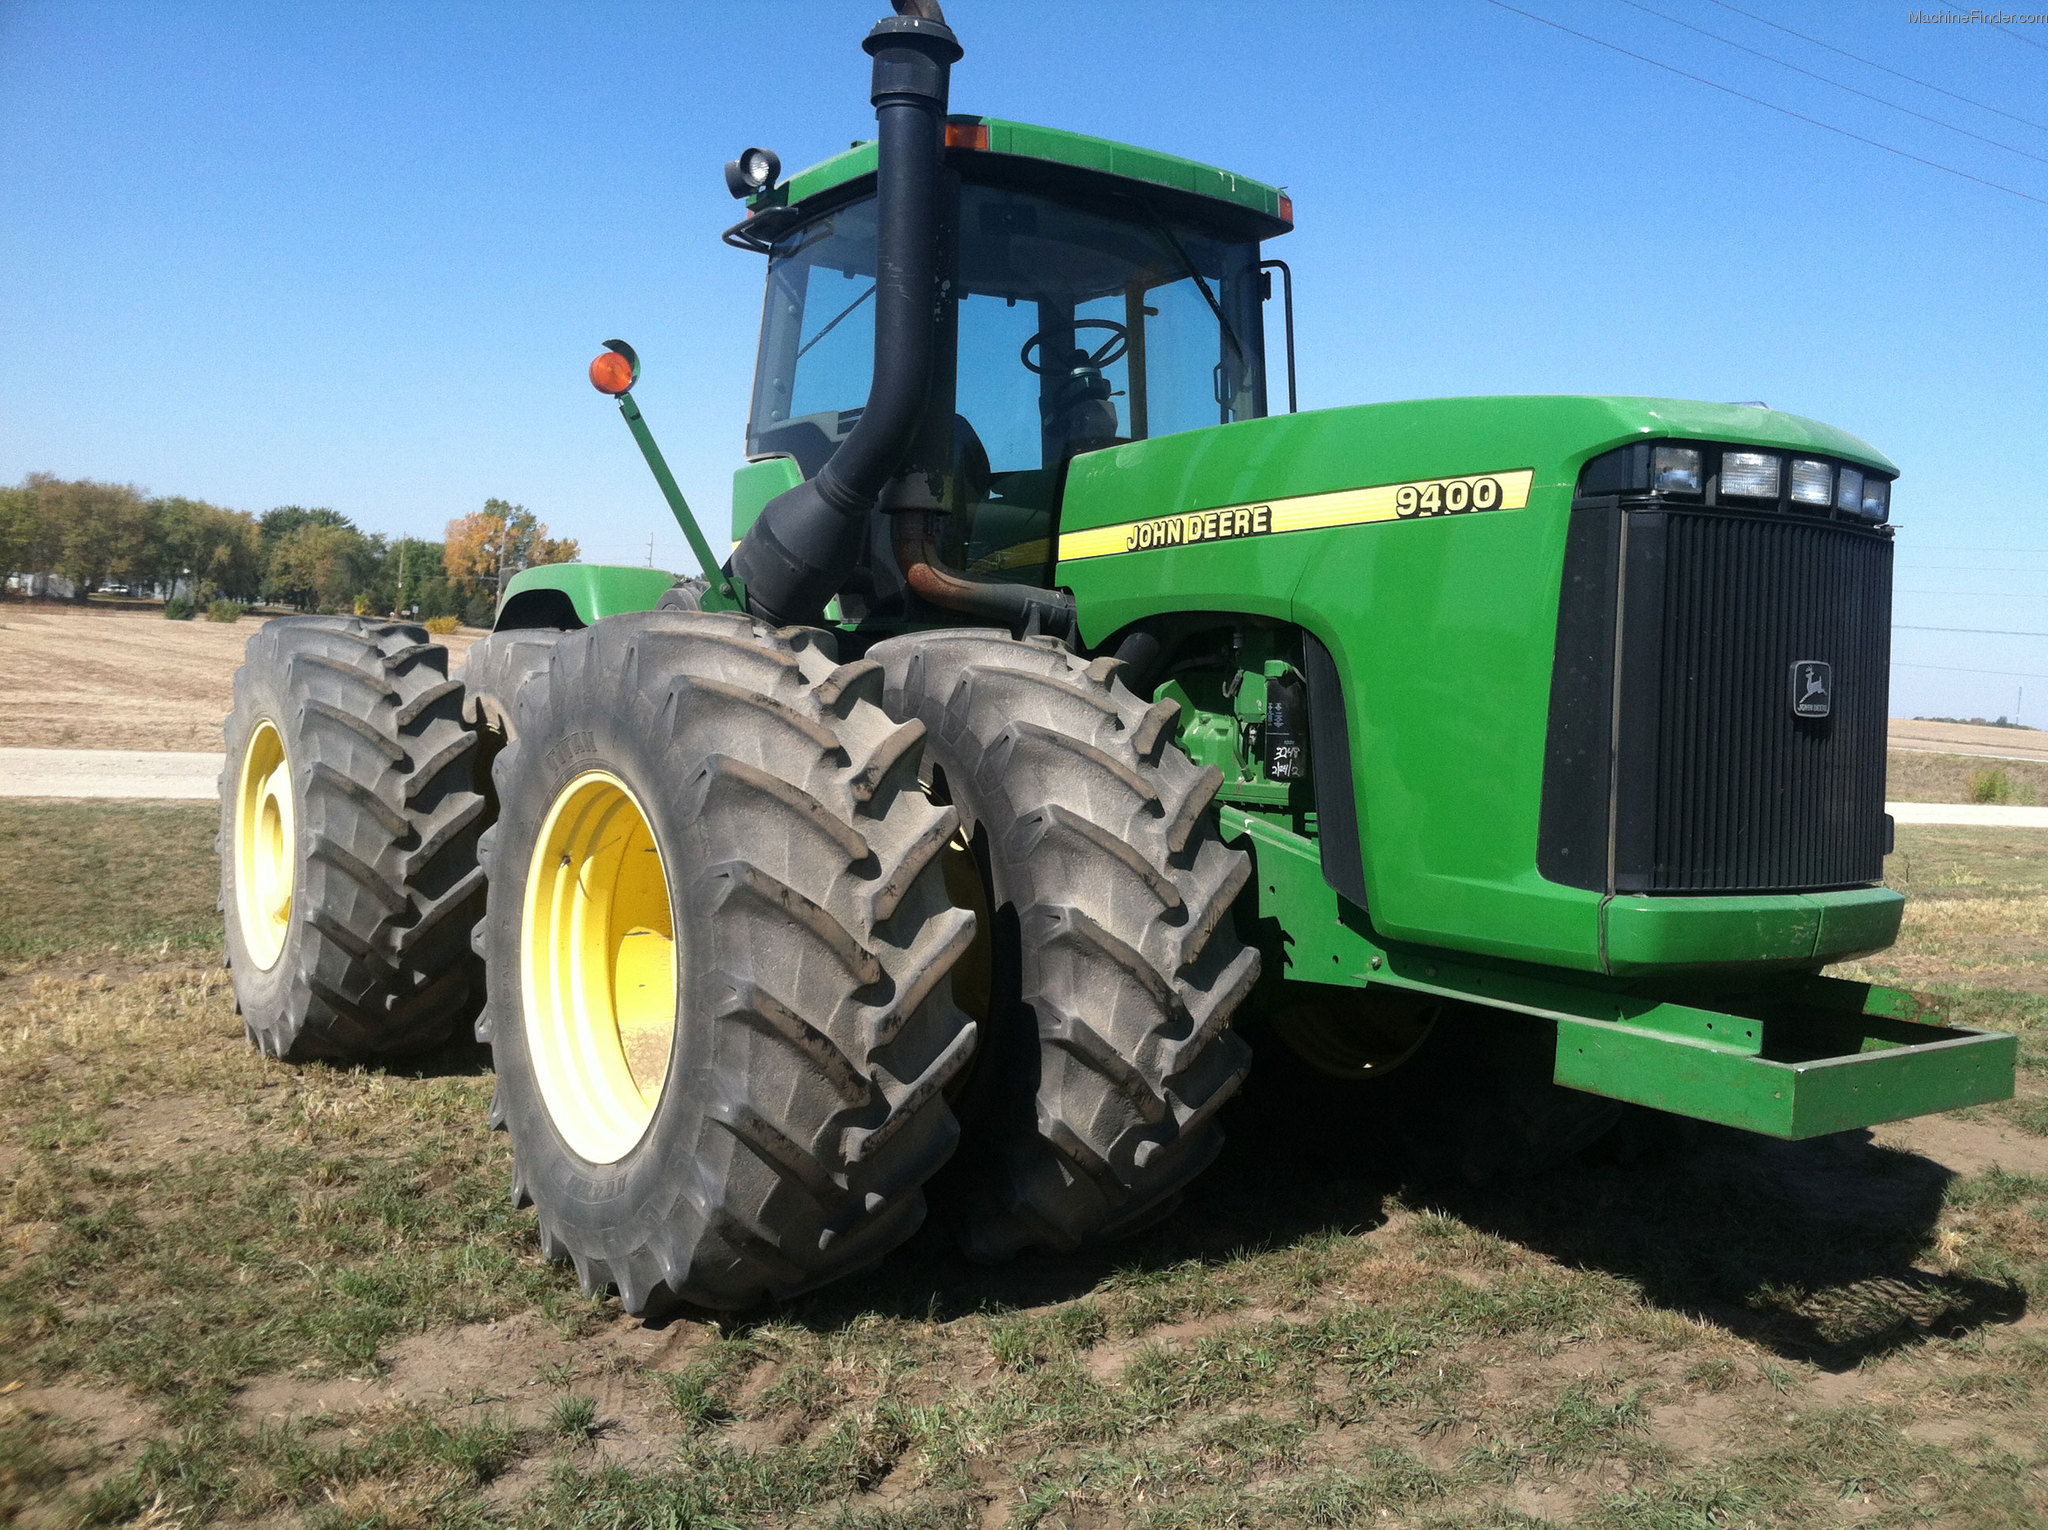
[1750,475]
[1849,491]
[1675,470]
[1877,500]
[1812,482]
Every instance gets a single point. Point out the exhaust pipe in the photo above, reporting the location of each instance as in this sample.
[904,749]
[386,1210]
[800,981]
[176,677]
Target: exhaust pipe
[799,551]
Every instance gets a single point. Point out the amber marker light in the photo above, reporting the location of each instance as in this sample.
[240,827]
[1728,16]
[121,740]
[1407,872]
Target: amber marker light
[611,373]
[967,135]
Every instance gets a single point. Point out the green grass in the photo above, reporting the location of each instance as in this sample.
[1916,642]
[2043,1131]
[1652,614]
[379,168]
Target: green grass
[1977,915]
[414,1469]
[316,1214]
[1318,1339]
[574,1419]
[107,878]
[1961,862]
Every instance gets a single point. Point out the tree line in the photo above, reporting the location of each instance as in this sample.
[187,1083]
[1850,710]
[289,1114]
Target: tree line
[96,535]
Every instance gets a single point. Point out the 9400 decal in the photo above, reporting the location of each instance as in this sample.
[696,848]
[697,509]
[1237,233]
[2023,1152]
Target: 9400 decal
[1420,499]
[1446,496]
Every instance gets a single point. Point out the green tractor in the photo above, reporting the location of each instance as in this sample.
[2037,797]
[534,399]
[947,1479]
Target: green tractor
[1062,706]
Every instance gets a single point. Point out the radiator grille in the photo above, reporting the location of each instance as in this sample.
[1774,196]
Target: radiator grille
[1722,788]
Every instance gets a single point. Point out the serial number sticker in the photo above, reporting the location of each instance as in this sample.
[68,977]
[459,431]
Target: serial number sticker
[1466,494]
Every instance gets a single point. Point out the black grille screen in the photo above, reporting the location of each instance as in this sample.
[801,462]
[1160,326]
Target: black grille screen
[1717,786]
[1743,794]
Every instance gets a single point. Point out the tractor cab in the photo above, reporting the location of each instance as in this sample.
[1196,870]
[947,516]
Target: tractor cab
[1082,308]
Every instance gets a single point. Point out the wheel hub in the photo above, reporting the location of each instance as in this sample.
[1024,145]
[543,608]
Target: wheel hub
[266,846]
[598,960]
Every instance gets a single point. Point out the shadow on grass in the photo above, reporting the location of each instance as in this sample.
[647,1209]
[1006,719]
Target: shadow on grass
[1810,1249]
[459,1057]
[1242,1204]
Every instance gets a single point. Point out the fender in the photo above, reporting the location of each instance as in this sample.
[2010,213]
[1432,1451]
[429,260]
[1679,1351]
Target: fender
[578,594]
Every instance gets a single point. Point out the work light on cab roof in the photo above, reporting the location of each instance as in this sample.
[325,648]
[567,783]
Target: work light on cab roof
[752,173]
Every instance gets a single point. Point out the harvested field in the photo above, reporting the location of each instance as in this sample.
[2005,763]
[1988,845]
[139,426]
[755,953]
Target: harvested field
[1969,738]
[235,1291]
[121,677]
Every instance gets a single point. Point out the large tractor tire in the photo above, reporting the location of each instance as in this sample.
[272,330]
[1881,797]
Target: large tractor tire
[493,671]
[348,830]
[719,949]
[1115,967]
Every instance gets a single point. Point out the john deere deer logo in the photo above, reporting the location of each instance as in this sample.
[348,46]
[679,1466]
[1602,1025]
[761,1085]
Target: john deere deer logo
[1813,684]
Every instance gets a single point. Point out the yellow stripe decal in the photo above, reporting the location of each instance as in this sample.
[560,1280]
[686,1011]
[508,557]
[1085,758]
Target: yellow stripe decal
[1421,500]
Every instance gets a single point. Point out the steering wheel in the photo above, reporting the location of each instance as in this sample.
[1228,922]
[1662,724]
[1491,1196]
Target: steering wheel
[1110,350]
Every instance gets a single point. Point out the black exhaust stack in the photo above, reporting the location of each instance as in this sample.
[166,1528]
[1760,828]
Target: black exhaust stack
[801,549]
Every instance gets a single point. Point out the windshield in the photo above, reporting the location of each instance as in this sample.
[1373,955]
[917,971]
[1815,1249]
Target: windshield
[1079,330]
[1076,330]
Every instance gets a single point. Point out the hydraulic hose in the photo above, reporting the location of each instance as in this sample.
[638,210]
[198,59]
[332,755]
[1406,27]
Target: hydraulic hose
[914,537]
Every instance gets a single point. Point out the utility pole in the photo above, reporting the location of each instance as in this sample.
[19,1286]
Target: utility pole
[401,576]
[650,549]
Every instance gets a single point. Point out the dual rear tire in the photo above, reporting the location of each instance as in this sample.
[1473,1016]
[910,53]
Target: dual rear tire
[1114,965]
[348,829]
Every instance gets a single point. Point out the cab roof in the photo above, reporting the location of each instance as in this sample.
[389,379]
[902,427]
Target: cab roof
[1010,148]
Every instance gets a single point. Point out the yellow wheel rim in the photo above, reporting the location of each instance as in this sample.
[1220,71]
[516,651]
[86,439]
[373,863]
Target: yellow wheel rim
[266,846]
[598,967]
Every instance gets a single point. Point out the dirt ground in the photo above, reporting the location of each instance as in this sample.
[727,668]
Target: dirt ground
[236,1291]
[105,677]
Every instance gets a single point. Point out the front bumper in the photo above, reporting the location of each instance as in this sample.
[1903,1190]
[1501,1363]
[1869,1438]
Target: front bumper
[1790,1054]
[1642,934]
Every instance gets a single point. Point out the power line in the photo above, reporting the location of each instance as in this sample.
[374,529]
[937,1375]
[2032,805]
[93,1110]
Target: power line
[1786,111]
[1910,79]
[1981,594]
[1979,631]
[1772,58]
[2019,37]
[1951,669]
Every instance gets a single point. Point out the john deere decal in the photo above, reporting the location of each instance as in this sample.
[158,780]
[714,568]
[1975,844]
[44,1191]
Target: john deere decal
[1420,500]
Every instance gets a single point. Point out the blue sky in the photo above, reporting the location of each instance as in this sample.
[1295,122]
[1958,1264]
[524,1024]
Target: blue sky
[360,255]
